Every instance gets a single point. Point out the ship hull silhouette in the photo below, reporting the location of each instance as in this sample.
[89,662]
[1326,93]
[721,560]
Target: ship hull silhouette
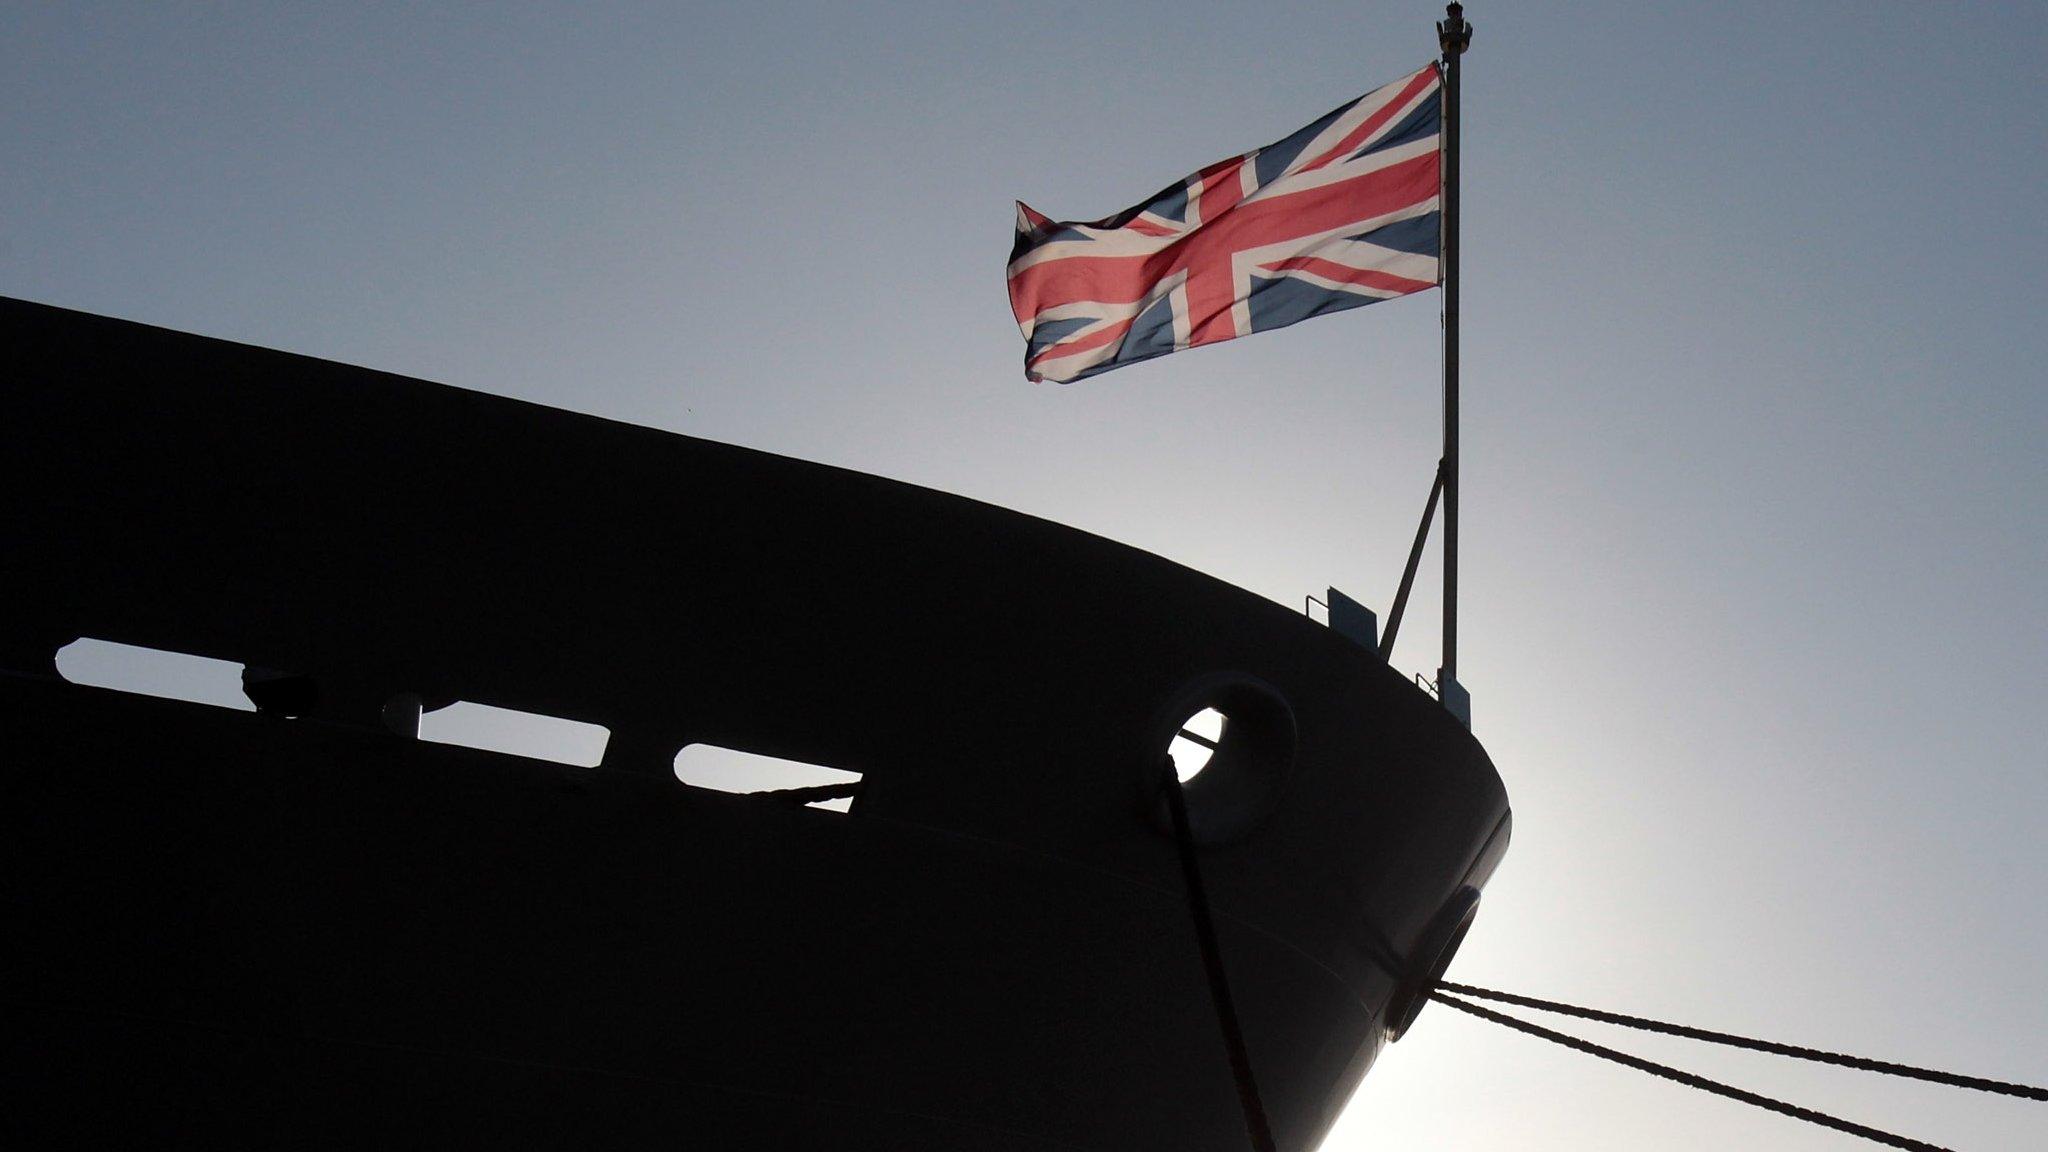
[258,928]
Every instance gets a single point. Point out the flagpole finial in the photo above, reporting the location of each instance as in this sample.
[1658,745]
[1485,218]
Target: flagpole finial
[1453,34]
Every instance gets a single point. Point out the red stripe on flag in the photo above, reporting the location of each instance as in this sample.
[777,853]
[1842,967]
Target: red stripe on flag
[1358,135]
[1108,334]
[1108,279]
[1219,187]
[1345,274]
[1356,199]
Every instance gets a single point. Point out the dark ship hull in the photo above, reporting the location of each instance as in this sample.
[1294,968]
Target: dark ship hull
[240,929]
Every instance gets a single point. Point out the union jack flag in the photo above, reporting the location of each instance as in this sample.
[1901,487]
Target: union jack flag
[1341,214]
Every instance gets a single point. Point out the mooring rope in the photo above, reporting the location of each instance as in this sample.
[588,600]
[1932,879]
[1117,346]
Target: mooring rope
[1255,1124]
[1702,1083]
[1861,1063]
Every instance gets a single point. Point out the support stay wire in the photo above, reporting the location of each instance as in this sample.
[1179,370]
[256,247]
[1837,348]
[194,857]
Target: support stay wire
[1860,1063]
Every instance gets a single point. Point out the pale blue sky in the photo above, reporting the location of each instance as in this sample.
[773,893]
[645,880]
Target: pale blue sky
[1756,503]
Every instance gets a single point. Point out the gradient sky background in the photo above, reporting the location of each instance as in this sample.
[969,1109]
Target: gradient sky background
[1756,501]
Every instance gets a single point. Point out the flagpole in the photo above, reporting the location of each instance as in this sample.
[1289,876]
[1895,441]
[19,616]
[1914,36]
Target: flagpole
[1453,35]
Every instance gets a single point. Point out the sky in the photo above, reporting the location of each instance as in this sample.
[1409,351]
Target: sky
[1755,502]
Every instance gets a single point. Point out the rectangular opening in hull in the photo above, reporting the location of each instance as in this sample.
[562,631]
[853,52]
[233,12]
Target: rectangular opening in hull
[153,672]
[730,770]
[491,729]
